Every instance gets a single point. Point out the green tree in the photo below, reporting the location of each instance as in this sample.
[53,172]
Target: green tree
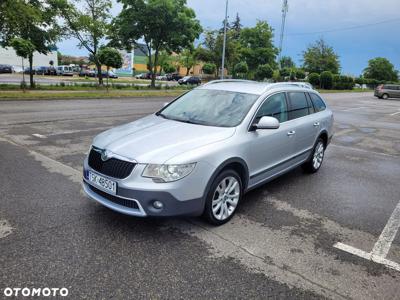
[111,58]
[88,23]
[187,59]
[212,49]
[300,74]
[162,24]
[257,46]
[313,78]
[263,72]
[320,57]
[168,68]
[31,20]
[209,68]
[236,27]
[380,69]
[24,49]
[286,62]
[241,69]
[326,80]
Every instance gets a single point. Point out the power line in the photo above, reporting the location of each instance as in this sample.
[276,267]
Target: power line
[344,28]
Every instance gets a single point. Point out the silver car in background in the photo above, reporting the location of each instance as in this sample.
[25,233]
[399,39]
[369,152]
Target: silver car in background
[202,152]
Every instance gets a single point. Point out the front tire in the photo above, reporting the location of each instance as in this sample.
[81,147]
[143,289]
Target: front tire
[385,96]
[223,198]
[314,163]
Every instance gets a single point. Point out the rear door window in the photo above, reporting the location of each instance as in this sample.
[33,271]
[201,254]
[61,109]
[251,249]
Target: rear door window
[318,103]
[298,105]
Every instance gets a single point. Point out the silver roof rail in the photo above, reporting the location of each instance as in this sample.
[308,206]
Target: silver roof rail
[229,80]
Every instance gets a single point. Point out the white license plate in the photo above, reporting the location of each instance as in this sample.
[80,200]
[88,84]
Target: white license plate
[103,183]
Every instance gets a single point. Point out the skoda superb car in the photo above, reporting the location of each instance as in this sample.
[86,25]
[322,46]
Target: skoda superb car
[202,152]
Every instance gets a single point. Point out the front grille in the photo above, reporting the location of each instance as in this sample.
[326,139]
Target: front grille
[112,167]
[115,199]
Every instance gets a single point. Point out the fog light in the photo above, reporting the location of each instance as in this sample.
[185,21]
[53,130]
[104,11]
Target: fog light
[158,204]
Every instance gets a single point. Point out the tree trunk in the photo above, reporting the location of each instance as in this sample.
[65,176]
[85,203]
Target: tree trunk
[153,75]
[99,75]
[23,76]
[31,71]
[108,68]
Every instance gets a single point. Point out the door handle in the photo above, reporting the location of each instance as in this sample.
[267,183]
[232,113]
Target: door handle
[316,124]
[291,133]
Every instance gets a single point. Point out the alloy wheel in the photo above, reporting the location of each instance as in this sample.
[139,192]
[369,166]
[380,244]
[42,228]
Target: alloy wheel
[226,197]
[318,155]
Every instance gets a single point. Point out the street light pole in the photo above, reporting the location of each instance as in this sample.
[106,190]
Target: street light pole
[223,47]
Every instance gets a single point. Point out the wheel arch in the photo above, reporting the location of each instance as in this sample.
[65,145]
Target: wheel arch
[235,163]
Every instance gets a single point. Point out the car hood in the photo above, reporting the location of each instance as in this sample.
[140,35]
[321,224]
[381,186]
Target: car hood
[153,139]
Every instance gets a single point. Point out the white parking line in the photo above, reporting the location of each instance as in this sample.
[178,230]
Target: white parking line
[354,108]
[396,113]
[41,136]
[5,229]
[382,246]
[69,132]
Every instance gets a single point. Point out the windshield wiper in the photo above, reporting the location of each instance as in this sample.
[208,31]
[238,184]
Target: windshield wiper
[158,114]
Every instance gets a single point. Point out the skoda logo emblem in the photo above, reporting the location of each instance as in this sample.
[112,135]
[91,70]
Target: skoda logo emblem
[104,155]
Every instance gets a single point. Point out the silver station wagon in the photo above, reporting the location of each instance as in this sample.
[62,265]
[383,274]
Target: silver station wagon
[202,152]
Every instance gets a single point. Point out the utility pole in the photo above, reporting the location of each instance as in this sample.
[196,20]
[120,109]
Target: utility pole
[224,45]
[284,11]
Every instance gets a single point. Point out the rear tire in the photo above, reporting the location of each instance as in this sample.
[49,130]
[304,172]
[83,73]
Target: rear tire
[385,96]
[314,163]
[223,197]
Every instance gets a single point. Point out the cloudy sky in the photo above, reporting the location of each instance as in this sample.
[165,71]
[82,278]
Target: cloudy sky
[358,30]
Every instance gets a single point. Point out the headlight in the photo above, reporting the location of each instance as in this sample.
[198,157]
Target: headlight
[168,173]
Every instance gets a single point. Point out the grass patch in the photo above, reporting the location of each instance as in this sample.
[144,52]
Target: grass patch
[90,86]
[344,91]
[88,94]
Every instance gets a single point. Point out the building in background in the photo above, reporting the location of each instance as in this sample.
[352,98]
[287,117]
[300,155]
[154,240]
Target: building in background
[9,57]
[135,62]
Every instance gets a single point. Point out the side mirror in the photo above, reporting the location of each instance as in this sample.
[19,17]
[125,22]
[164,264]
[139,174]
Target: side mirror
[267,123]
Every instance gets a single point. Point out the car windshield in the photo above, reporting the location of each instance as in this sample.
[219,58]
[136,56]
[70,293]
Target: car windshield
[210,107]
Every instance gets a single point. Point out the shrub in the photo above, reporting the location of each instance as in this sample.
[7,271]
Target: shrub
[264,71]
[284,72]
[359,80]
[326,79]
[168,68]
[313,78]
[300,74]
[209,68]
[341,82]
[241,68]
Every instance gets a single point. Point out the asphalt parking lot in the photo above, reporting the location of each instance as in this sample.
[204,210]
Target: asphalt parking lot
[298,237]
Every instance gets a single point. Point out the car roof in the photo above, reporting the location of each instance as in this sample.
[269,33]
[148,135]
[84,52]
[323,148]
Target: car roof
[253,87]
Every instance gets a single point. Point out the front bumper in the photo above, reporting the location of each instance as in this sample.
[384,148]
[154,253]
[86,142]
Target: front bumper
[134,199]
[144,202]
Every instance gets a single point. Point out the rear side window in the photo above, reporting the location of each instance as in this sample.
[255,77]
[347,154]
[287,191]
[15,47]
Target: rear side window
[298,105]
[319,105]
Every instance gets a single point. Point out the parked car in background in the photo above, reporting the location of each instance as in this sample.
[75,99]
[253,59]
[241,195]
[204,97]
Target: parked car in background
[65,71]
[143,76]
[111,74]
[202,152]
[6,69]
[27,70]
[173,77]
[190,80]
[161,77]
[43,70]
[385,91]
